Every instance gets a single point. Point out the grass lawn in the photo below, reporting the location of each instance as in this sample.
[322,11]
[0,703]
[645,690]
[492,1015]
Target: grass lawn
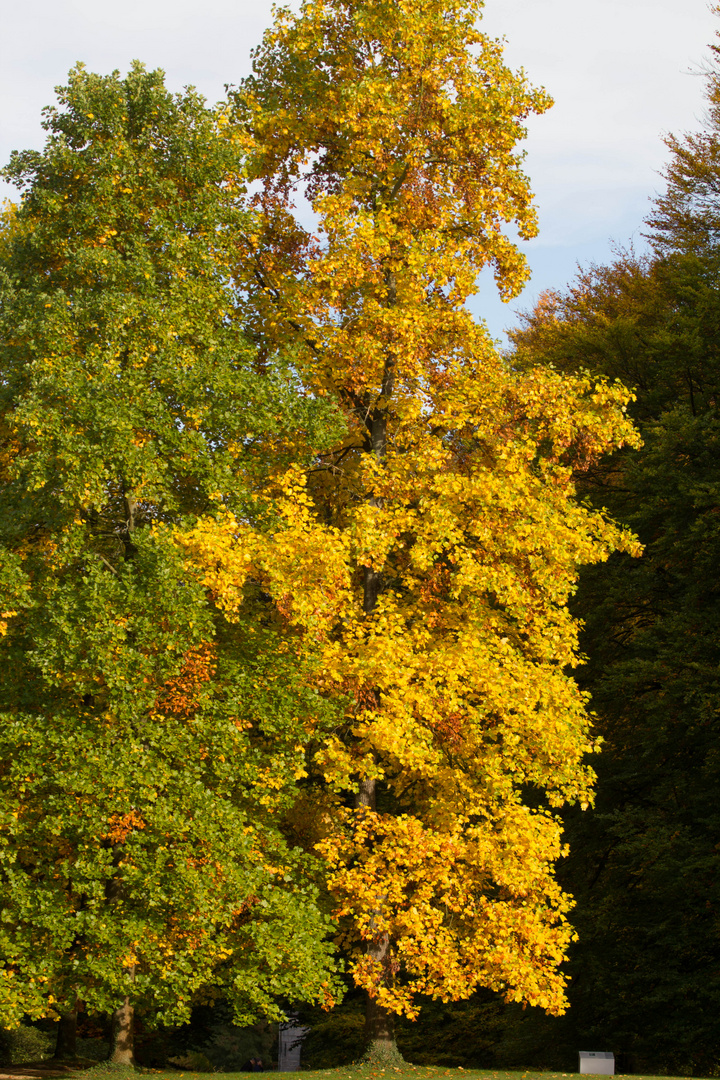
[349,1072]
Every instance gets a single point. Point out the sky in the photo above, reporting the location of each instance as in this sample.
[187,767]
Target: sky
[622,72]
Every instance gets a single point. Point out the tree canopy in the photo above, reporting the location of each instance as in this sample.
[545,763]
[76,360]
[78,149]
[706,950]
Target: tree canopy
[644,865]
[150,749]
[289,553]
[445,513]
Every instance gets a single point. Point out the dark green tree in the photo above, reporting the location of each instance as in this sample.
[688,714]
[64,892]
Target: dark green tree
[645,864]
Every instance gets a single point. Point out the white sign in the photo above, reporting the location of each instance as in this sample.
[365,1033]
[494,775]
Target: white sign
[596,1062]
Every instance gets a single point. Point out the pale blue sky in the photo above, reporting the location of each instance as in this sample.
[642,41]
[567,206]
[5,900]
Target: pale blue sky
[621,73]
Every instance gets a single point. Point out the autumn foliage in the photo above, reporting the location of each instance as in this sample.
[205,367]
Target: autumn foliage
[427,558]
[324,534]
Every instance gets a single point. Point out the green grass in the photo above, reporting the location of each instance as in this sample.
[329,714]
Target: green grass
[348,1072]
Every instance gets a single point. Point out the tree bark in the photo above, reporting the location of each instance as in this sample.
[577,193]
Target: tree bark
[380,1045]
[122,1047]
[66,1047]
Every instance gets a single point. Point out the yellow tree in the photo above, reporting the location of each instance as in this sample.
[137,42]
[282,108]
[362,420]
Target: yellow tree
[429,556]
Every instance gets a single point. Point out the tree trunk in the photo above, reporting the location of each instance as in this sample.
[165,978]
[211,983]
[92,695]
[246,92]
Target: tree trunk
[65,1047]
[122,1045]
[380,1045]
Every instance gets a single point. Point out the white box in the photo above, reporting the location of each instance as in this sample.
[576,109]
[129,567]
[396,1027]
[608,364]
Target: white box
[595,1062]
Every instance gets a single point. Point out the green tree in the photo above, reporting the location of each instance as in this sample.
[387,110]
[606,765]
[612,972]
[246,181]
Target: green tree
[644,865]
[149,748]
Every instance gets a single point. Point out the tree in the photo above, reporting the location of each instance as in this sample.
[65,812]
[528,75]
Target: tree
[644,866]
[429,553]
[685,218]
[149,748]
